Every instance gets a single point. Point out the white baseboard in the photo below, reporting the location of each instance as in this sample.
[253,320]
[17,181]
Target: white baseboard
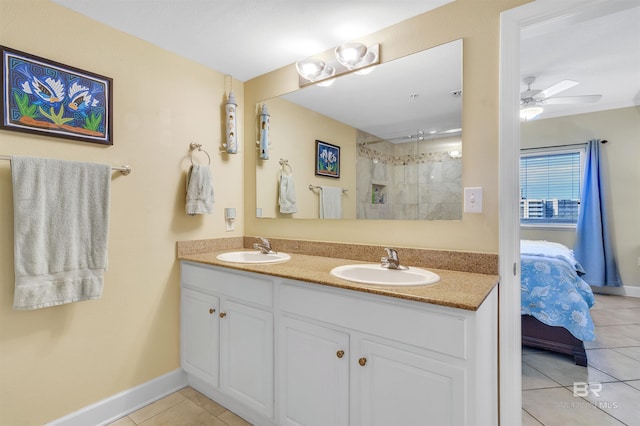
[111,409]
[625,290]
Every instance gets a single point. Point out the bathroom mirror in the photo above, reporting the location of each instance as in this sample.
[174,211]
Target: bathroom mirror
[398,128]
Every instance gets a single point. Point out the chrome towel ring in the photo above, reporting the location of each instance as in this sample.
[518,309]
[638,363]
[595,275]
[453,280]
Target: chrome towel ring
[197,147]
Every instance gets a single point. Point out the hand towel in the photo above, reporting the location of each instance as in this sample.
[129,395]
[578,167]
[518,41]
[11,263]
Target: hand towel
[287,198]
[330,202]
[199,190]
[61,225]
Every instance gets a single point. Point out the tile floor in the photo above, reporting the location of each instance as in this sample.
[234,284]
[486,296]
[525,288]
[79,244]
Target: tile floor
[547,382]
[187,407]
[613,370]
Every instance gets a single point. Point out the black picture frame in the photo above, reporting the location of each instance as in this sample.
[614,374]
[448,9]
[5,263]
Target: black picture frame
[44,97]
[327,159]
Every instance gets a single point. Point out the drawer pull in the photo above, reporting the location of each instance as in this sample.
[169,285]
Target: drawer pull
[211,310]
[362,361]
[340,354]
[223,314]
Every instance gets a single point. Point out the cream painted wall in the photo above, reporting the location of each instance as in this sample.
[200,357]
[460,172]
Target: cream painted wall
[477,23]
[621,128]
[57,360]
[293,132]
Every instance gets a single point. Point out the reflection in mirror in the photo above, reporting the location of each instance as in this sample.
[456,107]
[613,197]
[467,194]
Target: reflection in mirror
[399,132]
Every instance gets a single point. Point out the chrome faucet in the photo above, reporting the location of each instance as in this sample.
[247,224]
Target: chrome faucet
[264,246]
[391,260]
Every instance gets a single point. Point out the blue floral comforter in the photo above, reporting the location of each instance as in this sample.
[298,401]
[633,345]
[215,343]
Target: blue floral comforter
[553,292]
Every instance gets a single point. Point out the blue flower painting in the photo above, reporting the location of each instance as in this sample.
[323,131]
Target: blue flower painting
[327,159]
[42,96]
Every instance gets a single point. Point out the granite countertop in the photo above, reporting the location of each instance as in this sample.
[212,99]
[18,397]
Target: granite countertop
[463,290]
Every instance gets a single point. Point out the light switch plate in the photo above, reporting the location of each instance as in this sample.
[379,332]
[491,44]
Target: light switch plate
[473,200]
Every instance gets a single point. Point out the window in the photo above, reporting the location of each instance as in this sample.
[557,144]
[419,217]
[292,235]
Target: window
[550,181]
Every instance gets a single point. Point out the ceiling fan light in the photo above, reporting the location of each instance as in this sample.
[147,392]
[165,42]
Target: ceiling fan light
[530,113]
[310,68]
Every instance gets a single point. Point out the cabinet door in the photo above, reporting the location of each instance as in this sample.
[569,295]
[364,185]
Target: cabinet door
[396,386]
[314,374]
[199,335]
[246,355]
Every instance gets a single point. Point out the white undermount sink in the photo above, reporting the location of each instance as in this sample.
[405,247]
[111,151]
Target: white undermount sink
[366,273]
[253,256]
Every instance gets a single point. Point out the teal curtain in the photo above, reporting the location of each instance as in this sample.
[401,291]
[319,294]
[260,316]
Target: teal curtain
[593,247]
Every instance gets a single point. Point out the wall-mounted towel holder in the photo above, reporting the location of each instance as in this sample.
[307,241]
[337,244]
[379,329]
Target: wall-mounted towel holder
[314,187]
[197,147]
[284,164]
[125,170]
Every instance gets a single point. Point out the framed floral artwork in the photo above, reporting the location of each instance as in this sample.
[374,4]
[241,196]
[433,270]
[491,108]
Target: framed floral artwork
[44,97]
[327,159]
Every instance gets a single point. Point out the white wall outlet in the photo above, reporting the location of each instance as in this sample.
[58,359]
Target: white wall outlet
[473,200]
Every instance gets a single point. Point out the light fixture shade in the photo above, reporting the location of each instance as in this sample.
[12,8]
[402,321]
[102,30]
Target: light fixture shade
[530,113]
[351,54]
[311,68]
[349,57]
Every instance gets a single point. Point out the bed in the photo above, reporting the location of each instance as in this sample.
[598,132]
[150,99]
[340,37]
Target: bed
[555,300]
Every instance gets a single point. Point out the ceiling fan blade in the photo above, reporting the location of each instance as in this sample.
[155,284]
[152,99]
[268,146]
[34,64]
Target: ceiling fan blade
[586,99]
[556,88]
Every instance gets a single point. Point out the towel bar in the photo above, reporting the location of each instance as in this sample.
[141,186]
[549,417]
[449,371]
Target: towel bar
[313,187]
[125,170]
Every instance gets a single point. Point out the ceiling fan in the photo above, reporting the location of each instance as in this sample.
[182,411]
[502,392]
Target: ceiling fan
[532,97]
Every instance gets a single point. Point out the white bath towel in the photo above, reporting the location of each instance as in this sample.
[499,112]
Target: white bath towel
[287,198]
[61,227]
[330,202]
[199,190]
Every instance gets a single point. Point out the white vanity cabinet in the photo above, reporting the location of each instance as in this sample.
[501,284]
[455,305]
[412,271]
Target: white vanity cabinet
[408,363]
[313,365]
[227,336]
[294,353]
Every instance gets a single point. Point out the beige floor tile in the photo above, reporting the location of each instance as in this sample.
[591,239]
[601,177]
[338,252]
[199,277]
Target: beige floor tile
[125,421]
[614,336]
[605,301]
[529,420]
[203,401]
[156,407]
[534,379]
[558,407]
[186,413]
[616,316]
[233,420]
[634,383]
[619,400]
[632,352]
[563,370]
[614,364]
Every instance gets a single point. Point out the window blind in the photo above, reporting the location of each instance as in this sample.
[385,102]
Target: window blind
[550,187]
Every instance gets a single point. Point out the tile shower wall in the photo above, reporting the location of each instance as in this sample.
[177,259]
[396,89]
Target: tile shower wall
[405,181]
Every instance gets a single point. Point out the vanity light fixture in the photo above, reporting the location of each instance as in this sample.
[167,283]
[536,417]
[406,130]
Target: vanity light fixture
[310,68]
[348,57]
[351,54]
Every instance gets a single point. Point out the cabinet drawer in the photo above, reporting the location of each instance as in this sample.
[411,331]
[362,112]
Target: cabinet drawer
[435,331]
[242,286]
